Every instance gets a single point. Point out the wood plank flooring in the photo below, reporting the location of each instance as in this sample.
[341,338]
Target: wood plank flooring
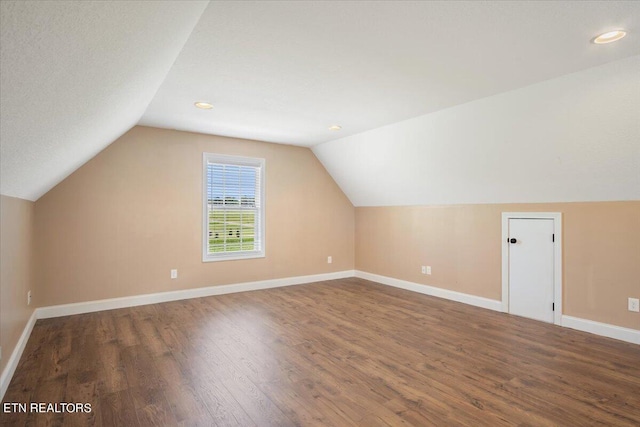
[339,353]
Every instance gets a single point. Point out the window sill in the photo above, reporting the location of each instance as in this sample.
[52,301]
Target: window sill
[233,257]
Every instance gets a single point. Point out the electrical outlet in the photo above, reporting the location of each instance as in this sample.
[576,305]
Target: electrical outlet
[424,269]
[29,298]
[329,259]
[429,269]
[174,274]
[634,304]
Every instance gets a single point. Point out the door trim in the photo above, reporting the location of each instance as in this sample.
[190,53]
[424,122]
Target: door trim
[557,257]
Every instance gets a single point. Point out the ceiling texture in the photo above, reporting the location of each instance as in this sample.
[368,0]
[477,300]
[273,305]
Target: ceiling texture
[77,75]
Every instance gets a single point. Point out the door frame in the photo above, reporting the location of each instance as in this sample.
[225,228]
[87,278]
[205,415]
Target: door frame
[557,257]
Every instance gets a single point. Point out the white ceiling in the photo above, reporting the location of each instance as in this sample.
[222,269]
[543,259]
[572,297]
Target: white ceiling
[76,75]
[573,138]
[285,71]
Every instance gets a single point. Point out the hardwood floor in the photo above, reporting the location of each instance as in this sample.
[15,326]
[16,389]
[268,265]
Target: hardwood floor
[340,353]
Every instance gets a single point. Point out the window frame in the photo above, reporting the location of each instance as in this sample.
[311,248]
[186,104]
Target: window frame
[208,158]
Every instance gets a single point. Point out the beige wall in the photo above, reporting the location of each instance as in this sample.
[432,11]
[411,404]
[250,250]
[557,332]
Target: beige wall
[462,244]
[16,266]
[117,225]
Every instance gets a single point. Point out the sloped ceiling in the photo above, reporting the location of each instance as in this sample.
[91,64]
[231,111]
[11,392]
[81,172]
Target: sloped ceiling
[574,138]
[285,71]
[77,75]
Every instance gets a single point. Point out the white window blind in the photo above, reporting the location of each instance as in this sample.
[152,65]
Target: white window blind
[233,207]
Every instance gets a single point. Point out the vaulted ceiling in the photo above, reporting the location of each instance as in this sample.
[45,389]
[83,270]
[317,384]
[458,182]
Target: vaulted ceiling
[76,75]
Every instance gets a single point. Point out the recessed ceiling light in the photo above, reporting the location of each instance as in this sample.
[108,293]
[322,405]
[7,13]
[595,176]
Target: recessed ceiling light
[203,105]
[335,127]
[610,36]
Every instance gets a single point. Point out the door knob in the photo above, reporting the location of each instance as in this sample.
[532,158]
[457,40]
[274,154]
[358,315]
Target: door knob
[512,240]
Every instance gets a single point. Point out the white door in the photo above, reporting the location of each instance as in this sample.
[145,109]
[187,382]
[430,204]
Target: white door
[531,268]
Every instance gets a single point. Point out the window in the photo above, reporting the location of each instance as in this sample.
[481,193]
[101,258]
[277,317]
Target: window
[233,207]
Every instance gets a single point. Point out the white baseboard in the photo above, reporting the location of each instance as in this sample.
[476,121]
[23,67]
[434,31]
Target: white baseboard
[133,301]
[603,329]
[12,364]
[433,291]
[597,328]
